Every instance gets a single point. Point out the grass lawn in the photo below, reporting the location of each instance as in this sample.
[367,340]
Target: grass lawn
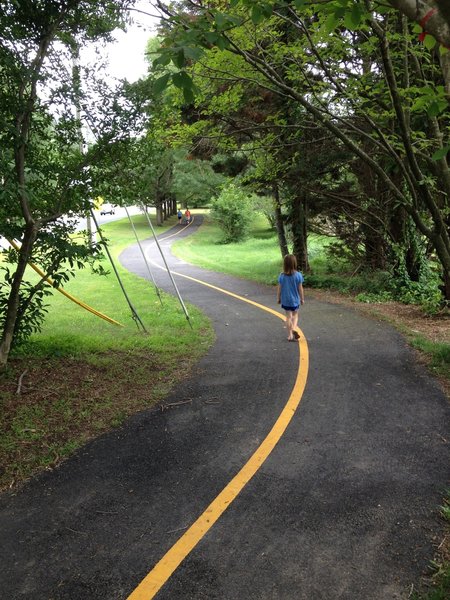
[82,375]
[257,258]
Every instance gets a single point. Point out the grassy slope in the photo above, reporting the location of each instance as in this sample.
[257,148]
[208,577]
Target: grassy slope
[81,375]
[258,258]
[68,329]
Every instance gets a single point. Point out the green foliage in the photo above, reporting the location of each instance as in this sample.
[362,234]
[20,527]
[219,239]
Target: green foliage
[375,297]
[370,286]
[265,205]
[232,210]
[58,253]
[45,169]
[272,88]
[439,353]
[440,584]
[425,291]
[195,183]
[31,311]
[427,295]
[242,260]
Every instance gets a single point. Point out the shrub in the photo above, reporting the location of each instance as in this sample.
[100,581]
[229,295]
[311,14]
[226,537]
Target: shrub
[233,213]
[31,311]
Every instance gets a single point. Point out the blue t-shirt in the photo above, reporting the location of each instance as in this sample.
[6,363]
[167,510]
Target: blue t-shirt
[289,288]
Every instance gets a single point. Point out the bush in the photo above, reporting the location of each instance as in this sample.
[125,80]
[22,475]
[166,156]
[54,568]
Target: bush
[366,284]
[233,213]
[31,311]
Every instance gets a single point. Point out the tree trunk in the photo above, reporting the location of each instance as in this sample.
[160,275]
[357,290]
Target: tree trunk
[374,245]
[443,252]
[445,66]
[29,238]
[299,231]
[279,222]
[159,201]
[432,15]
[159,215]
[403,234]
[446,285]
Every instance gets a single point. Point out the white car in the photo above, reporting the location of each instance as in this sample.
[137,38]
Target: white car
[107,209]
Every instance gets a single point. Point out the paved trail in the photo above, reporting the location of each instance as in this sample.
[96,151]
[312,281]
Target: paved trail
[345,507]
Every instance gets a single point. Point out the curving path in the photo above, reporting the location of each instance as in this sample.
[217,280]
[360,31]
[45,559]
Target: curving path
[345,506]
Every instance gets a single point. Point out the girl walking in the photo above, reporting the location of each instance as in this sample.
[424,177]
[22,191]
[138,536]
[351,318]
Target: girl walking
[290,294]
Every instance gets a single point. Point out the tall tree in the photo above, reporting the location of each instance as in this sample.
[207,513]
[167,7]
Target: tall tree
[406,124]
[44,170]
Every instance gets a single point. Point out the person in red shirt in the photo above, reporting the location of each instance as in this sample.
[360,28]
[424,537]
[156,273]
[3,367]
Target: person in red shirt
[187,216]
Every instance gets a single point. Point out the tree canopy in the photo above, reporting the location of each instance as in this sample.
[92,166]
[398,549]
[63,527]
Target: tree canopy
[350,70]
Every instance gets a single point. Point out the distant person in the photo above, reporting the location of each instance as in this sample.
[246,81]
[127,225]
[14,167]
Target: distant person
[180,216]
[187,216]
[290,294]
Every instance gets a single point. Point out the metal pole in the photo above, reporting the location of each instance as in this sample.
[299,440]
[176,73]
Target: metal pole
[143,255]
[133,310]
[167,267]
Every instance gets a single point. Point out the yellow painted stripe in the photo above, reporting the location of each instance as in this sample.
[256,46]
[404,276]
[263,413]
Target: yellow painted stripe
[182,228]
[161,572]
[62,291]
[223,291]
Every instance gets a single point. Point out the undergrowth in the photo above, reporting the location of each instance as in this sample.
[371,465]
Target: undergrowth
[437,586]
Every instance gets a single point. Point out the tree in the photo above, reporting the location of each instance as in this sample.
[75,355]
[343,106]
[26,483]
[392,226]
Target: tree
[233,213]
[44,170]
[406,124]
[195,183]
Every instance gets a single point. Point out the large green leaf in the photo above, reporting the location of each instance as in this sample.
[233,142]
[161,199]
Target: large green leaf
[442,153]
[182,80]
[161,83]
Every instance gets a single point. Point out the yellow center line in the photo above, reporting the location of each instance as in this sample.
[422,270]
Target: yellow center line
[182,228]
[161,572]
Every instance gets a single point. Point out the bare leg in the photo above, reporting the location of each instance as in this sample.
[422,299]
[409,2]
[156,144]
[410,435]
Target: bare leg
[289,315]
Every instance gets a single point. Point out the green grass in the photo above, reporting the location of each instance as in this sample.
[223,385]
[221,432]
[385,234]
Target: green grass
[438,584]
[69,330]
[257,258]
[438,353]
[82,375]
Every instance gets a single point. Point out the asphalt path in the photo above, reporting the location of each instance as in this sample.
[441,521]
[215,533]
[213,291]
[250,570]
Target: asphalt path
[344,507]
